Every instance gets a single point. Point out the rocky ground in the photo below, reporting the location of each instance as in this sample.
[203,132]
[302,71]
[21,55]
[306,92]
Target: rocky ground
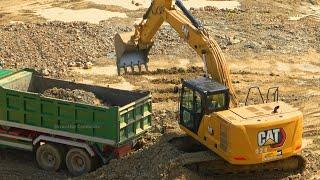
[262,45]
[54,46]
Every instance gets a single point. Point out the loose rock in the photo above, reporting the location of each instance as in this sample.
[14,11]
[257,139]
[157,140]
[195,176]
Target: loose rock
[76,95]
[88,65]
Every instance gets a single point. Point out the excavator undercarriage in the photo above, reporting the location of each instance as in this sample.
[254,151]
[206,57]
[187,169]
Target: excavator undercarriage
[201,160]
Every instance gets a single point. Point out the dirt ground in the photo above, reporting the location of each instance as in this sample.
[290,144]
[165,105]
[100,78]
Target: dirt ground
[266,43]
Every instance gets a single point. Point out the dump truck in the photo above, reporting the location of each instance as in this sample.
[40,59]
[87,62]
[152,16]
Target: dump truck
[64,133]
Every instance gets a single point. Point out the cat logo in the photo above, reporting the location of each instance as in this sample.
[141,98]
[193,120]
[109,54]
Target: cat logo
[272,137]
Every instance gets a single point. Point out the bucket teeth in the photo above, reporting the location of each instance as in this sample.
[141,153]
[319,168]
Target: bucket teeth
[132,67]
[131,60]
[129,53]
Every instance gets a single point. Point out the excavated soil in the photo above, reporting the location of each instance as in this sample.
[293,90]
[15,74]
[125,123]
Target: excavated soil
[158,158]
[75,95]
[262,44]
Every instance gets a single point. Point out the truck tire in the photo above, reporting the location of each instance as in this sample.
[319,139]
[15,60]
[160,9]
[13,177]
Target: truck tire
[78,162]
[49,157]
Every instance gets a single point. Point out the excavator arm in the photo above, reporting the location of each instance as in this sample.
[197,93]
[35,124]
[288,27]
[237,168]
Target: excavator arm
[132,48]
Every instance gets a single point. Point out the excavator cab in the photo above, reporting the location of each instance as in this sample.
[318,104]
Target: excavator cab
[201,96]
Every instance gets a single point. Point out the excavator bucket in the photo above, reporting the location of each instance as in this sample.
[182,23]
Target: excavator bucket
[129,54]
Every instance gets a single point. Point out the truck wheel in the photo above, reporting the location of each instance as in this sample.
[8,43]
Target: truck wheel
[78,162]
[49,157]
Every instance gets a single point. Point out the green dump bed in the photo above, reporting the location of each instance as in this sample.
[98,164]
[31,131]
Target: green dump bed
[22,103]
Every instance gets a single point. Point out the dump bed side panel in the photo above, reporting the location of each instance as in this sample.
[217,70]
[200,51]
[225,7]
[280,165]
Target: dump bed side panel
[135,119]
[17,81]
[5,72]
[30,109]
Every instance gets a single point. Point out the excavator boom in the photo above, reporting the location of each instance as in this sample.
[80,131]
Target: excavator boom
[132,49]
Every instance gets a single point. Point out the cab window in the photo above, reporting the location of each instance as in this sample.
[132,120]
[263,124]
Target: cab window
[198,106]
[186,112]
[191,111]
[188,99]
[216,101]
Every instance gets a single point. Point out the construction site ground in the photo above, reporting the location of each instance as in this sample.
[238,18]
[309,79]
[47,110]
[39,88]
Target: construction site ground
[266,43]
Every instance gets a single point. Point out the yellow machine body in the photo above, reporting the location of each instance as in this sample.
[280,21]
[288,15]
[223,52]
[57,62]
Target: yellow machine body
[252,134]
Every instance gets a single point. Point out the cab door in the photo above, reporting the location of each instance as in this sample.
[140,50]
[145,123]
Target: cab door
[191,111]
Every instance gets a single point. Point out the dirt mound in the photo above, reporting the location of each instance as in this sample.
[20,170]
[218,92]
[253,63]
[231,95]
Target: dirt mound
[151,162]
[76,95]
[54,46]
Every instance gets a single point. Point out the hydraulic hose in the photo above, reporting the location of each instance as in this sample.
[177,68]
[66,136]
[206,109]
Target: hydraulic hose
[187,13]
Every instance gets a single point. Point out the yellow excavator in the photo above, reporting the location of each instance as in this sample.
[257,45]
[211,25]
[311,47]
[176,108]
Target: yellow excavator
[256,137]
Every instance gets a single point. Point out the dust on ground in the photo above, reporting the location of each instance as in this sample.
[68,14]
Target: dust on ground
[263,45]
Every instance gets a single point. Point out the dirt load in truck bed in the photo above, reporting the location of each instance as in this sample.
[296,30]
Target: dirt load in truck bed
[76,95]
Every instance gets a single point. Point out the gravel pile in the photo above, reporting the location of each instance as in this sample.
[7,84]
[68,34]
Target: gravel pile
[76,95]
[151,162]
[52,47]
[168,42]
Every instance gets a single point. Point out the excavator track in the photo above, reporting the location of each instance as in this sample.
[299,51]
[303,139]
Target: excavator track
[208,163]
